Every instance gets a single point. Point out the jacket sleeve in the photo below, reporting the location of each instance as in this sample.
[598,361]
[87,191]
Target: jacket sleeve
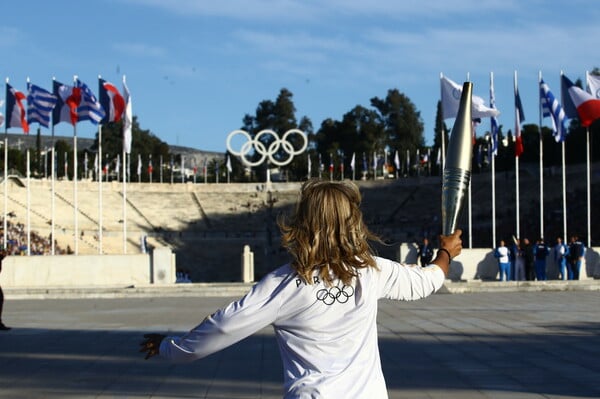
[408,282]
[236,321]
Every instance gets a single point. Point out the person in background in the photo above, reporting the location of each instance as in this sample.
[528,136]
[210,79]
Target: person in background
[323,304]
[528,258]
[577,252]
[2,326]
[561,255]
[519,261]
[425,252]
[503,254]
[540,253]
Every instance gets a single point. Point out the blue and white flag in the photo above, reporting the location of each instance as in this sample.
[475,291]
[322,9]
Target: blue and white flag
[40,103]
[493,119]
[89,108]
[551,108]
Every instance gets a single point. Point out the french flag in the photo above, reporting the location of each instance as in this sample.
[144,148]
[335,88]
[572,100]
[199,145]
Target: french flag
[111,100]
[579,103]
[69,98]
[15,110]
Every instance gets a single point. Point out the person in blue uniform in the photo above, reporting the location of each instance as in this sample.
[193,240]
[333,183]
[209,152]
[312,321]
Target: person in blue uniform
[561,258]
[540,253]
[577,252]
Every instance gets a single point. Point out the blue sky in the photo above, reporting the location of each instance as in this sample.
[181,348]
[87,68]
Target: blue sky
[195,68]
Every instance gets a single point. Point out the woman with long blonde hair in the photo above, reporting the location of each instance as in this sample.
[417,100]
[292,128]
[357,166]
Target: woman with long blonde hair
[323,304]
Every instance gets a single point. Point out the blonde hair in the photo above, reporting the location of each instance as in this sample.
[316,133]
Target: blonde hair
[327,232]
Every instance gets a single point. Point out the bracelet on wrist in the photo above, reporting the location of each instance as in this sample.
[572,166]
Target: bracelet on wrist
[447,253]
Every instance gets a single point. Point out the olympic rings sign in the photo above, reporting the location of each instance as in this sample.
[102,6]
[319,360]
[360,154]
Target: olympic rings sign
[272,149]
[333,294]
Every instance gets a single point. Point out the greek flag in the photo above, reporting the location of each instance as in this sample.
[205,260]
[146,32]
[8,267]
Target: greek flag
[40,104]
[493,120]
[551,108]
[89,108]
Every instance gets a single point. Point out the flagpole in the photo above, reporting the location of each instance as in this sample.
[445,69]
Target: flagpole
[28,205]
[493,200]
[589,197]
[492,155]
[589,171]
[542,166]
[100,171]
[52,166]
[564,192]
[75,232]
[517,119]
[124,203]
[5,178]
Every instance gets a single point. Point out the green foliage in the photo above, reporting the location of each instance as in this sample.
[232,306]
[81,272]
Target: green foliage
[144,142]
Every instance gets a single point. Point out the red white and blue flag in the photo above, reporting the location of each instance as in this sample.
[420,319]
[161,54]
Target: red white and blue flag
[89,108]
[579,103]
[40,103]
[519,118]
[111,101]
[16,115]
[68,99]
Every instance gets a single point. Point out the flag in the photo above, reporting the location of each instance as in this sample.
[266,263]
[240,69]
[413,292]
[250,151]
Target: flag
[15,110]
[586,106]
[150,168]
[308,164]
[397,160]
[330,163]
[493,119]
[127,119]
[89,108]
[593,84]
[67,101]
[228,164]
[40,104]
[118,164]
[1,116]
[139,165]
[112,102]
[374,162]
[451,93]
[551,108]
[353,161]
[519,117]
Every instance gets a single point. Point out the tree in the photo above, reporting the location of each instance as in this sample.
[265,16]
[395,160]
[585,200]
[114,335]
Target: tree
[143,142]
[278,116]
[402,122]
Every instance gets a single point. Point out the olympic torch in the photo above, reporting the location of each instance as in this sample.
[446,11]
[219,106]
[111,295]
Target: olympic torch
[457,171]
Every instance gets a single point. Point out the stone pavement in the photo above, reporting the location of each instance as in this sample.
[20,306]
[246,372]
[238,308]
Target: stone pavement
[519,344]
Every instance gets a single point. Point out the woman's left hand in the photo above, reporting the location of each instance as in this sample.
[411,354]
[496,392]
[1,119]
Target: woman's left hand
[151,344]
